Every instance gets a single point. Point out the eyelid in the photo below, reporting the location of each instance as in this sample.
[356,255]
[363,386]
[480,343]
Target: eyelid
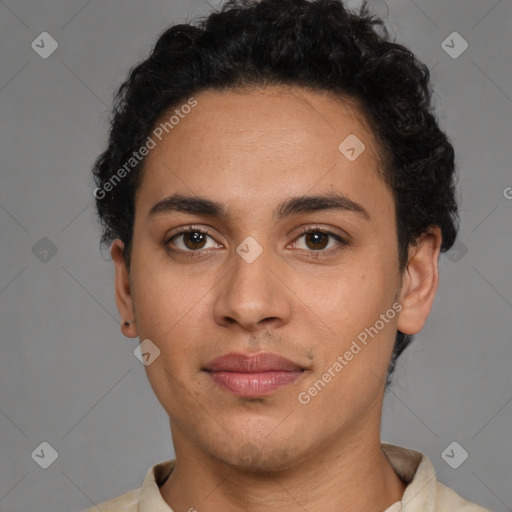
[329,230]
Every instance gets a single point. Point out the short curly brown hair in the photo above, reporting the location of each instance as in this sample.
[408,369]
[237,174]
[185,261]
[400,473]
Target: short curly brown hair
[318,45]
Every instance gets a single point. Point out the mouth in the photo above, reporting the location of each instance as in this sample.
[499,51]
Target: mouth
[253,376]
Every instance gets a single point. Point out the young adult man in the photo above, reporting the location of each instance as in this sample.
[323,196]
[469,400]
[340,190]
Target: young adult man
[277,192]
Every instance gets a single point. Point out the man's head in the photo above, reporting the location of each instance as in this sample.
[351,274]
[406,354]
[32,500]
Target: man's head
[304,124]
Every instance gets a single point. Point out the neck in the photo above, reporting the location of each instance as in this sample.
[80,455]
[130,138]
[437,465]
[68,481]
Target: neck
[354,476]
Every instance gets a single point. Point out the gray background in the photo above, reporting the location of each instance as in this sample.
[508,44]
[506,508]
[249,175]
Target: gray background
[69,377]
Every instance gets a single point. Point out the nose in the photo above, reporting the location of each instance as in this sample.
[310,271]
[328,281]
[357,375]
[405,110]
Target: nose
[254,295]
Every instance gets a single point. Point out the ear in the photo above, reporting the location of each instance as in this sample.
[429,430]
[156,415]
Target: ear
[419,282]
[124,299]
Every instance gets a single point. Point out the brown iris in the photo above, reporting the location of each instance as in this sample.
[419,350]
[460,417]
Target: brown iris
[317,237]
[196,238]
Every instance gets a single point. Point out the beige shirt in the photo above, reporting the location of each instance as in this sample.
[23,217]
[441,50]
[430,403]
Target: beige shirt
[423,493]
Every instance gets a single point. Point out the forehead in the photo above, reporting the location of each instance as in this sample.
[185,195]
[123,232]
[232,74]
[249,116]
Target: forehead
[262,144]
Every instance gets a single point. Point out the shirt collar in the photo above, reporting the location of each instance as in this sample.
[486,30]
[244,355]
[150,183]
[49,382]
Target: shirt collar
[150,499]
[417,471]
[411,466]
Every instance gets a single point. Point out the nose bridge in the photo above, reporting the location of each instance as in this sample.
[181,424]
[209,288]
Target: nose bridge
[251,271]
[252,292]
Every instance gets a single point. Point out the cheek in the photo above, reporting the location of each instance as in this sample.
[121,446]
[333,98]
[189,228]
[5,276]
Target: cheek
[353,295]
[351,371]
[172,314]
[352,307]
[166,295]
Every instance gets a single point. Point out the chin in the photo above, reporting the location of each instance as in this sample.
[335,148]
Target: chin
[251,458]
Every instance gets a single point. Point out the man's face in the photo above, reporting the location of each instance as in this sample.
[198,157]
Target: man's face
[305,297]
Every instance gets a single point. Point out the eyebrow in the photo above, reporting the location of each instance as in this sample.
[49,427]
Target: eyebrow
[292,206]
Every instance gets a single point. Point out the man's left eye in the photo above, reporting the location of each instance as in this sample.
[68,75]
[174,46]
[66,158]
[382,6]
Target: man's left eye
[317,239]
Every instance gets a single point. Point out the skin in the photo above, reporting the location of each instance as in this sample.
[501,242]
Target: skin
[251,151]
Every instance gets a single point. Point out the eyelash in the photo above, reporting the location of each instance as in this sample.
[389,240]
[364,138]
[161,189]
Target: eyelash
[315,229]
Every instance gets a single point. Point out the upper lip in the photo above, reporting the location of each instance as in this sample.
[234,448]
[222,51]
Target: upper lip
[246,363]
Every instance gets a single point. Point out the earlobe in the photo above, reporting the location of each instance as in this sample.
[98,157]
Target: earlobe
[123,293]
[420,282]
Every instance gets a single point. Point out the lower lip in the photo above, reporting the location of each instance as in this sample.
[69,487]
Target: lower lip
[253,384]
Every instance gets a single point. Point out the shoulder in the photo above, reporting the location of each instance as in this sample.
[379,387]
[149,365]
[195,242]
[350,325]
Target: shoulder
[146,497]
[424,491]
[128,502]
[448,499]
